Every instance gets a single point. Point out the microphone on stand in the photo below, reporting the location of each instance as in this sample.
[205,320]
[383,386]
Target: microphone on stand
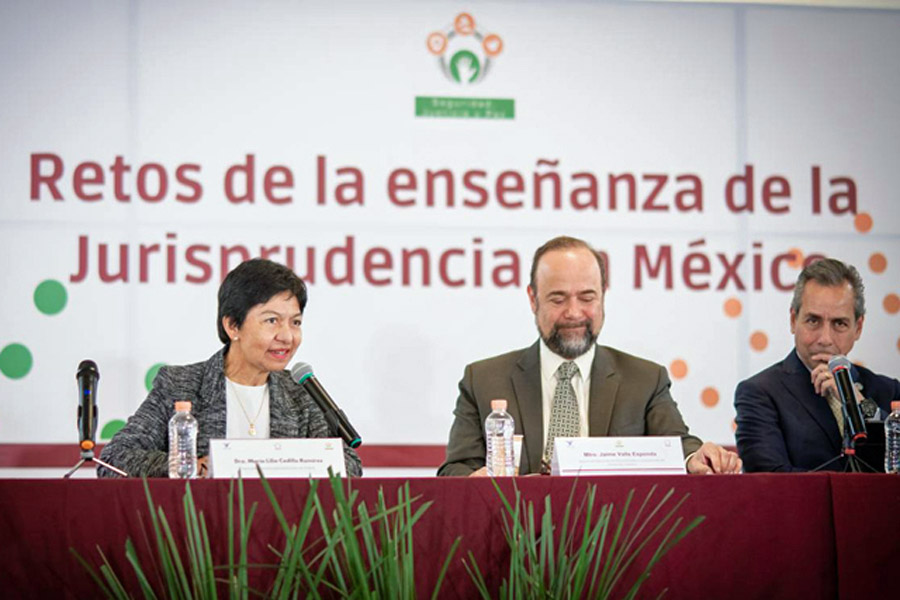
[87,377]
[853,420]
[302,373]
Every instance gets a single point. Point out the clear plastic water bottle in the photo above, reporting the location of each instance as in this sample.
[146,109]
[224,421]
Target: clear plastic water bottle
[499,427]
[183,428]
[892,439]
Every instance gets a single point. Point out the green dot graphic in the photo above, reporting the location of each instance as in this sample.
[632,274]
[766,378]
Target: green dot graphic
[15,361]
[50,297]
[151,374]
[111,429]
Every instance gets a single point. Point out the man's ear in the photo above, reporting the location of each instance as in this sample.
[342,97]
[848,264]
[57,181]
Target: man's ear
[859,327]
[532,299]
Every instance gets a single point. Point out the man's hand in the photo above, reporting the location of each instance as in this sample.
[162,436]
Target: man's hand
[821,377]
[482,472]
[713,458]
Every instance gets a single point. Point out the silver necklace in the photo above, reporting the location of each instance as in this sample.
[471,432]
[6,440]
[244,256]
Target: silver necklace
[265,397]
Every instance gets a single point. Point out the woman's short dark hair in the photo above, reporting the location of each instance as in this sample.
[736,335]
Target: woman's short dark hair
[255,282]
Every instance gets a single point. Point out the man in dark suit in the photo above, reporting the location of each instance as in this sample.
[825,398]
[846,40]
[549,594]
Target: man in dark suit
[789,416]
[608,392]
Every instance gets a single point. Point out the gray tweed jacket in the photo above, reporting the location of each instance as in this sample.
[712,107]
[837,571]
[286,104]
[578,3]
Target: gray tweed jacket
[140,448]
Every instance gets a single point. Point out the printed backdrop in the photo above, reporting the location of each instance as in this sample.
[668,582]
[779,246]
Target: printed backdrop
[406,159]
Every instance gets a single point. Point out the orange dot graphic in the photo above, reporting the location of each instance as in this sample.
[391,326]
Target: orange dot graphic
[733,307]
[797,261]
[733,425]
[863,222]
[492,45]
[437,43]
[678,368]
[877,262]
[892,304]
[709,397]
[759,340]
[898,344]
[464,24]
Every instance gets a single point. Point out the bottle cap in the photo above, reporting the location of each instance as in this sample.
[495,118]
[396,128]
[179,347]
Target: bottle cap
[895,405]
[183,406]
[498,405]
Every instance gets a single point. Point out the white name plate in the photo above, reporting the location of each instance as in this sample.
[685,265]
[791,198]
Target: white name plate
[648,455]
[277,457]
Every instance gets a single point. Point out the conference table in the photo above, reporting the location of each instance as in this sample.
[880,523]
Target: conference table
[816,535]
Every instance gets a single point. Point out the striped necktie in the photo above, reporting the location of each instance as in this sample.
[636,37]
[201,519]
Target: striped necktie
[565,419]
[834,403]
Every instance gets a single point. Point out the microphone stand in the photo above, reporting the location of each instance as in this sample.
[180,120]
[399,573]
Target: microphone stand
[854,463]
[87,456]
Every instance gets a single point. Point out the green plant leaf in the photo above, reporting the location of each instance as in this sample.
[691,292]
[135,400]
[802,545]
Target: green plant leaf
[571,559]
[363,552]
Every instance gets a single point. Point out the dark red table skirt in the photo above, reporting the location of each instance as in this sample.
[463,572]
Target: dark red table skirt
[765,536]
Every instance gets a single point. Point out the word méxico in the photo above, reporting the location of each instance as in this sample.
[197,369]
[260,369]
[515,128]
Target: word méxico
[351,262]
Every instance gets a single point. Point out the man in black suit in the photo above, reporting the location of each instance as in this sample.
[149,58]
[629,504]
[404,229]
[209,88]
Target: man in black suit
[788,416]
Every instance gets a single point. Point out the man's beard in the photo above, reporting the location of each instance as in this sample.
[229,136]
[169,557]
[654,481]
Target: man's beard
[570,347]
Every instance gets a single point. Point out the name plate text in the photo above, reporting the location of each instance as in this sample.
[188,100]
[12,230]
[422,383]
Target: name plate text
[277,457]
[587,456]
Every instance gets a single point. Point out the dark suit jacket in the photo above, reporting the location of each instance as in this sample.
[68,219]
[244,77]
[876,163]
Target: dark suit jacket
[783,425]
[629,396]
[141,447]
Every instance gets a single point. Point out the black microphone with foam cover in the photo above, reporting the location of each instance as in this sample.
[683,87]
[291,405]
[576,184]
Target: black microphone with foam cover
[87,377]
[853,420]
[302,373]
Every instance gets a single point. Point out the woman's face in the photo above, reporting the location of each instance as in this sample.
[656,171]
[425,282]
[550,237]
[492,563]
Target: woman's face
[266,341]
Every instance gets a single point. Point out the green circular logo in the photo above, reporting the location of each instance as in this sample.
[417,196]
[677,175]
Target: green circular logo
[151,375]
[111,429]
[15,361]
[50,297]
[467,62]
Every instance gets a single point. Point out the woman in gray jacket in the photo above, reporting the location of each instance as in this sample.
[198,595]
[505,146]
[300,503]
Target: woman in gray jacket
[241,391]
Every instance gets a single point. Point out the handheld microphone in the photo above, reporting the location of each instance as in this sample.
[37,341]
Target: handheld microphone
[87,377]
[302,373]
[840,367]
